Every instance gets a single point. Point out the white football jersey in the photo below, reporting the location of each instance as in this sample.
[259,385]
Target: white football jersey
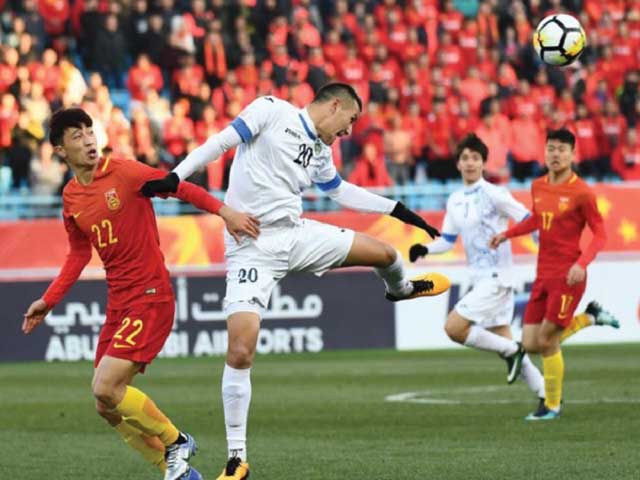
[280,155]
[478,212]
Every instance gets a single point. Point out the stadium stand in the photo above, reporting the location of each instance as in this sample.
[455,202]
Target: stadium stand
[160,76]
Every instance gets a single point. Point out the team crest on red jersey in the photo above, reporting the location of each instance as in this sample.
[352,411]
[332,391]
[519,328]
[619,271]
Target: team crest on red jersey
[563,203]
[113,201]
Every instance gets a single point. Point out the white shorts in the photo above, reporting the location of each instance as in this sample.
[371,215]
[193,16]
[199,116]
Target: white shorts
[255,267]
[488,304]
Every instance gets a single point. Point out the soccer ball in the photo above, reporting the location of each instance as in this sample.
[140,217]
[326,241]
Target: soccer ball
[559,39]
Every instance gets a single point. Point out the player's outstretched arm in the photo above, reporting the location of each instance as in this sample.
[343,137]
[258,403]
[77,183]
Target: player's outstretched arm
[439,245]
[405,215]
[357,198]
[209,151]
[77,258]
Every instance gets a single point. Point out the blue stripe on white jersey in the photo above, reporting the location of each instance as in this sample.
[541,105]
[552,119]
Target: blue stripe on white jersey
[306,127]
[331,184]
[242,129]
[450,237]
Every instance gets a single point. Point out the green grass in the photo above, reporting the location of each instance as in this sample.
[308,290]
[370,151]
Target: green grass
[324,416]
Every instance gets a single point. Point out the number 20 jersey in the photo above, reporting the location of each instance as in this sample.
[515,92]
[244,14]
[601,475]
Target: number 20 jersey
[280,155]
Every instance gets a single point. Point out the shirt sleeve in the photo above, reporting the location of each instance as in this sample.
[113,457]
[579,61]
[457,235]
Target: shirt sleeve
[187,191]
[528,224]
[323,171]
[77,258]
[509,206]
[449,229]
[254,118]
[596,224]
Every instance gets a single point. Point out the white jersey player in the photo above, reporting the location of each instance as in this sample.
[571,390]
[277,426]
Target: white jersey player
[481,319]
[281,151]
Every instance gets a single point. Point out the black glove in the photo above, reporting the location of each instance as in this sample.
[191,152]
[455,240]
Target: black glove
[417,251]
[407,216]
[168,184]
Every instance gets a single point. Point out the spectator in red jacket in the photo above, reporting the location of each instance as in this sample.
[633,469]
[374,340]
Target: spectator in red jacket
[439,141]
[526,146]
[626,157]
[469,41]
[370,169]
[187,80]
[397,34]
[8,118]
[465,122]
[612,125]
[522,103]
[47,73]
[144,76]
[8,68]
[474,89]
[178,130]
[541,92]
[335,51]
[451,19]
[587,136]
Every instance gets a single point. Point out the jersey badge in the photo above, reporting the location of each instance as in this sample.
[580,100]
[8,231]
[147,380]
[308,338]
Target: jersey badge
[317,147]
[113,201]
[563,203]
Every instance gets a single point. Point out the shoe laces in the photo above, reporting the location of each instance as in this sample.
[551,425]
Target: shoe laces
[422,286]
[232,465]
[171,455]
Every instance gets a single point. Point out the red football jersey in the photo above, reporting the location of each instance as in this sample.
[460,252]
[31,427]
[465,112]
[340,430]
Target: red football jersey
[560,212]
[112,215]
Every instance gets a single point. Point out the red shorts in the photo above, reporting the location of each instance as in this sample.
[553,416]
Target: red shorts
[137,333]
[552,299]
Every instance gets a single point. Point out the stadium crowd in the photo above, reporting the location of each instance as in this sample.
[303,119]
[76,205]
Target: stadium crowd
[160,76]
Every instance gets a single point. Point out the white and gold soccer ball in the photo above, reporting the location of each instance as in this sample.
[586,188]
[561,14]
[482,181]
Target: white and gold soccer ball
[559,39]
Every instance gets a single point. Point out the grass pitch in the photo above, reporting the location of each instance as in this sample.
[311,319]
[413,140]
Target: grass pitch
[328,416]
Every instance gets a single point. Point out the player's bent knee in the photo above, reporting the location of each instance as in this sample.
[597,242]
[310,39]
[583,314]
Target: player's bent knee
[456,328]
[547,345]
[390,254]
[105,394]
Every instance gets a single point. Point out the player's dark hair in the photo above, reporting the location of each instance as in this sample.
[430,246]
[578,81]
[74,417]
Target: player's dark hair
[342,91]
[475,144]
[66,118]
[563,136]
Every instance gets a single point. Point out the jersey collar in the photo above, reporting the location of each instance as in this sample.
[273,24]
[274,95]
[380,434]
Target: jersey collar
[308,125]
[474,187]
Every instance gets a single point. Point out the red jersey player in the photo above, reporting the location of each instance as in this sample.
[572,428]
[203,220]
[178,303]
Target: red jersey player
[562,205]
[102,206]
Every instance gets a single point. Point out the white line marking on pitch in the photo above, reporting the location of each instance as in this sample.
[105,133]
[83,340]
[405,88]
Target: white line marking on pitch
[434,397]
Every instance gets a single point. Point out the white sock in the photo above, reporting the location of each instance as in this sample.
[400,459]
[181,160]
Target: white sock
[236,397]
[532,377]
[485,340]
[394,277]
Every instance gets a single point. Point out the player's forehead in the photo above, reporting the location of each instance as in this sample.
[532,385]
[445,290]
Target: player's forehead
[469,153]
[73,129]
[553,143]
